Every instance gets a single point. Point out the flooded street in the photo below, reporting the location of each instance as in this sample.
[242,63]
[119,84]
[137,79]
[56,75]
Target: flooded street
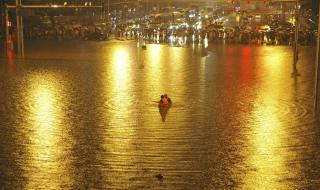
[84,115]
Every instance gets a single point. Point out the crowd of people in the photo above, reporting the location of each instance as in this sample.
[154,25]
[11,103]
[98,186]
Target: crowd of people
[67,31]
[280,37]
[233,36]
[272,30]
[74,31]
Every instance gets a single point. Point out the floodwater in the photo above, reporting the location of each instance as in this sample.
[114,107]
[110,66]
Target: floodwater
[83,115]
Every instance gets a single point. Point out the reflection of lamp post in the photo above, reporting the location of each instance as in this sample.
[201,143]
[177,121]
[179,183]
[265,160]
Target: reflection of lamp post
[296,42]
[317,66]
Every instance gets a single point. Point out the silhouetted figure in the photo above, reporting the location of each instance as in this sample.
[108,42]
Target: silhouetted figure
[164,106]
[159,177]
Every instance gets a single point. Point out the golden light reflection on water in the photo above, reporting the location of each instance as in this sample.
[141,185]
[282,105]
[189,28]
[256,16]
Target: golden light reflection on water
[274,64]
[154,61]
[43,97]
[268,131]
[44,123]
[177,77]
[120,63]
[120,96]
[121,127]
[202,74]
[166,73]
[265,156]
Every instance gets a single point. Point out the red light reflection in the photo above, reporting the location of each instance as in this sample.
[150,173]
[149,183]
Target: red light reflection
[230,64]
[10,56]
[245,63]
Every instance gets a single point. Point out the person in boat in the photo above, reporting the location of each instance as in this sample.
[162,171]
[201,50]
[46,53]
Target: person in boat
[161,98]
[167,98]
[164,101]
[164,106]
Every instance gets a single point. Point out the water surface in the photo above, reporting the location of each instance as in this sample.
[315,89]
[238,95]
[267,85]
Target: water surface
[83,115]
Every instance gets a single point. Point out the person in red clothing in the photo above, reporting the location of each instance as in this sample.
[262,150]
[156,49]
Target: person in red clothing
[167,98]
[164,101]
[164,106]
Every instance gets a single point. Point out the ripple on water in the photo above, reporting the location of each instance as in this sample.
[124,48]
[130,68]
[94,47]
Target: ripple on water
[93,113]
[287,112]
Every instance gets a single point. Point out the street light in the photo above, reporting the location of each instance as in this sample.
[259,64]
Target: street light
[19,29]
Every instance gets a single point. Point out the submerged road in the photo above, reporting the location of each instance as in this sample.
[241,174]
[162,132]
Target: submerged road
[82,115]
